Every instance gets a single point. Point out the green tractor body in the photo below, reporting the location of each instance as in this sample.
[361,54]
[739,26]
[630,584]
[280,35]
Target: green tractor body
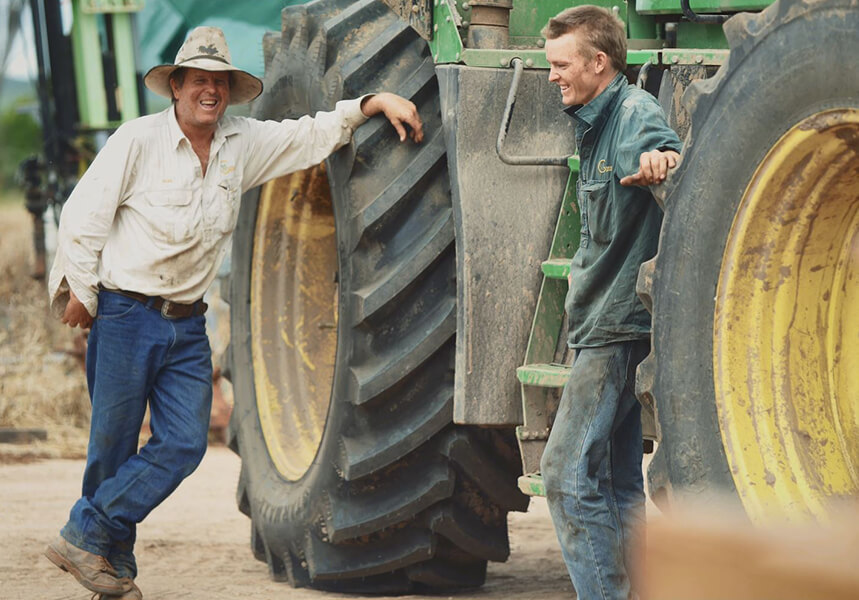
[397,312]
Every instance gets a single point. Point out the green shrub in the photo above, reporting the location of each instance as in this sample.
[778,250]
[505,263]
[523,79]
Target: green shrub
[20,136]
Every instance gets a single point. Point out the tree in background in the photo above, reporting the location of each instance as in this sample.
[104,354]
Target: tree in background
[20,137]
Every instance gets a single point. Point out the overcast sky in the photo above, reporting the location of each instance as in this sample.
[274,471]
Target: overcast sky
[22,58]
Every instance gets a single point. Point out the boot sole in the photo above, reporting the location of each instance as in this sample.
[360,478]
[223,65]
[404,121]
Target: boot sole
[53,555]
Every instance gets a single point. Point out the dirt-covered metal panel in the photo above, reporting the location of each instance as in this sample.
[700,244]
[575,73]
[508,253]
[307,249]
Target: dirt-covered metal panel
[504,219]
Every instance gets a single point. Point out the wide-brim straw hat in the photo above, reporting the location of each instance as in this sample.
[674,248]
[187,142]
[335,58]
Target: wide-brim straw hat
[206,49]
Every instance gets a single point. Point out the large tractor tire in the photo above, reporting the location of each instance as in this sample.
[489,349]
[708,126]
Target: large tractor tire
[755,288]
[343,334]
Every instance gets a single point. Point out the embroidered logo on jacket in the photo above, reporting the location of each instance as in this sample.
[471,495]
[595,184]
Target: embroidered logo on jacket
[604,168]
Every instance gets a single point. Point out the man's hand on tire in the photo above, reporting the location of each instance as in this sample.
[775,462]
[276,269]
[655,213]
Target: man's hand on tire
[398,111]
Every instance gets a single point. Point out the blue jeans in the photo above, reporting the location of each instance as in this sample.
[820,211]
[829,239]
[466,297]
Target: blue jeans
[592,471]
[135,354]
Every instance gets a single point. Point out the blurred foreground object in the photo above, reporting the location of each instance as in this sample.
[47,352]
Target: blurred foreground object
[710,555]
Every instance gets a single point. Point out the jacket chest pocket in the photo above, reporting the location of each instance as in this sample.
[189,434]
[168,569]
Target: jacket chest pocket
[597,212]
[172,215]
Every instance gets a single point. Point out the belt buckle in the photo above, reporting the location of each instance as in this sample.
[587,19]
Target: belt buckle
[165,309]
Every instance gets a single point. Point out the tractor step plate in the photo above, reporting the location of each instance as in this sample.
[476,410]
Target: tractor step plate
[556,268]
[532,485]
[544,375]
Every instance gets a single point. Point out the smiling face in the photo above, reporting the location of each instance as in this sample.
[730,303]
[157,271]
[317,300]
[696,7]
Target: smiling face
[580,74]
[201,99]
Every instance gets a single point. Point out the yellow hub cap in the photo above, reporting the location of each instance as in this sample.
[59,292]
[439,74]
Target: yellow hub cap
[294,316]
[786,331]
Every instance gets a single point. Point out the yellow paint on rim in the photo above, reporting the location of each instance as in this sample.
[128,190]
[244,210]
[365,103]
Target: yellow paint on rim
[786,326]
[293,316]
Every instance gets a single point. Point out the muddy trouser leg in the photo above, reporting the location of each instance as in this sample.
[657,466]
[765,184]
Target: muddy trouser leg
[592,470]
[134,354]
[627,481]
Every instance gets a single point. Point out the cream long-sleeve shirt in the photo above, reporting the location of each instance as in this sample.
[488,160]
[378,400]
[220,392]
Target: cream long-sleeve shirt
[143,217]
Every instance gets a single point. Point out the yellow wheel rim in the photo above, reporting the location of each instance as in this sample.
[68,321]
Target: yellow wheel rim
[786,331]
[294,316]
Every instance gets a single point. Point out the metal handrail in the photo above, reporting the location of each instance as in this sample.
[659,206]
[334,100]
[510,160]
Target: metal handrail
[518,67]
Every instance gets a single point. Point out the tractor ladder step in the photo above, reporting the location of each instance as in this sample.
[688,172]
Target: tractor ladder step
[544,375]
[532,485]
[556,268]
[540,377]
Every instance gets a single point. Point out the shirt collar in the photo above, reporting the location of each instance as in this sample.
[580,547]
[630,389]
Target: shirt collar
[594,112]
[175,132]
[226,128]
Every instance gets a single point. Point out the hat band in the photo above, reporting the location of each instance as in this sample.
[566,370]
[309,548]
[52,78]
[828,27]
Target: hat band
[207,56]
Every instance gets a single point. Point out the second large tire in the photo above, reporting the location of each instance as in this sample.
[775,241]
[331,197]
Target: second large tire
[755,288]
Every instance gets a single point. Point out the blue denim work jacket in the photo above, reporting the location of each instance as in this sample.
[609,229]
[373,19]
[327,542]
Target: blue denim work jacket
[619,224]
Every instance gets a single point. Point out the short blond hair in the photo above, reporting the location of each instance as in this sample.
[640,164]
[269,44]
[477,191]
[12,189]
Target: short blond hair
[603,31]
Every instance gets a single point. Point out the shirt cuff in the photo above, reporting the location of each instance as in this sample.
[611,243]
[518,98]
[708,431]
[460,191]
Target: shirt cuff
[353,116]
[60,298]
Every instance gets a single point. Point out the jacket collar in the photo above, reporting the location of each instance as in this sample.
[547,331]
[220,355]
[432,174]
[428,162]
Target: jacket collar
[595,112]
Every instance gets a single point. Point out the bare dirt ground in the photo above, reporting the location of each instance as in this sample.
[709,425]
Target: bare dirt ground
[196,544]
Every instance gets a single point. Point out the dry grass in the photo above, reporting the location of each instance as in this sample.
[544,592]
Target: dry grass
[42,380]
[42,385]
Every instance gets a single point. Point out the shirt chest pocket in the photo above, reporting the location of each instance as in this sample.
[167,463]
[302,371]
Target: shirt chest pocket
[597,211]
[226,205]
[172,215]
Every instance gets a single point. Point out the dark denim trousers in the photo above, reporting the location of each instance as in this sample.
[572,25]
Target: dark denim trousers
[592,471]
[135,354]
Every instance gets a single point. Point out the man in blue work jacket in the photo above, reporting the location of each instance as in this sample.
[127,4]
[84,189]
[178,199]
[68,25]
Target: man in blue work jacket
[592,463]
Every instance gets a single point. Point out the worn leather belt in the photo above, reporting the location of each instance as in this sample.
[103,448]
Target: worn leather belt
[168,308]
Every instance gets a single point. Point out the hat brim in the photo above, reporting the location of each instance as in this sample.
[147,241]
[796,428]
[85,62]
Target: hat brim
[244,87]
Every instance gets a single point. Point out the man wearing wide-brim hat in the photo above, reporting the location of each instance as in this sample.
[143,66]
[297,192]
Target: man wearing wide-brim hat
[140,241]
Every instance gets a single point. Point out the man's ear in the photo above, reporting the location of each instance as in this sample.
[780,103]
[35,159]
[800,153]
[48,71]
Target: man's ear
[600,62]
[173,88]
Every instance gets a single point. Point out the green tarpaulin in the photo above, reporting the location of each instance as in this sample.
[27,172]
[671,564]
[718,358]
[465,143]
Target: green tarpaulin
[163,24]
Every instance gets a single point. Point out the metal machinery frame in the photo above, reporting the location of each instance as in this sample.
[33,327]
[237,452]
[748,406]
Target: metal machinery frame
[474,46]
[87,82]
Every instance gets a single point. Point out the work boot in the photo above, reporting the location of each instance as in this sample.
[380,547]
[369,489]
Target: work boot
[133,594]
[91,570]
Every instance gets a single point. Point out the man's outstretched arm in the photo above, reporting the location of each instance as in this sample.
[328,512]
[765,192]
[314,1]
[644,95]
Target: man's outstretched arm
[277,148]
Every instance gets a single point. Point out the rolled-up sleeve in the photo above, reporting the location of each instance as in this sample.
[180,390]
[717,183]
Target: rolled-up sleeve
[85,223]
[642,128]
[278,148]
